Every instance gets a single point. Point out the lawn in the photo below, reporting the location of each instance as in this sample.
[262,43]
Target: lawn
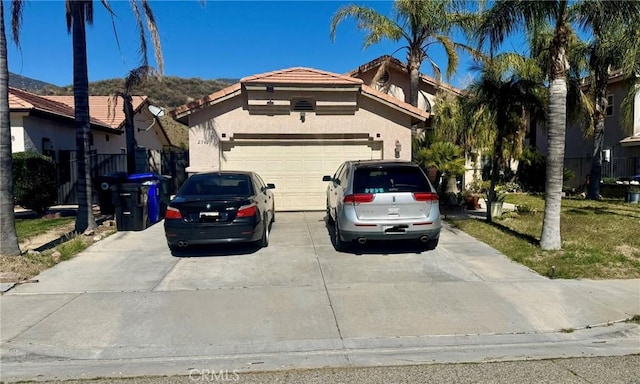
[600,239]
[27,228]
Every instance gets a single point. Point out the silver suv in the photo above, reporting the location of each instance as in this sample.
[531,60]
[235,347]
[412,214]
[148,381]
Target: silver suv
[382,200]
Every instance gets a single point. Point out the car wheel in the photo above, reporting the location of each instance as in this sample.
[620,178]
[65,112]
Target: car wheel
[431,244]
[264,242]
[338,242]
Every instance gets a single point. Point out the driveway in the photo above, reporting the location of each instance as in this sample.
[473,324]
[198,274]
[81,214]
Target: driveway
[126,306]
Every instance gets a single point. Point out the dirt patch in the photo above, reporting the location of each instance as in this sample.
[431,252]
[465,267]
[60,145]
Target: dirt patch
[628,251]
[31,263]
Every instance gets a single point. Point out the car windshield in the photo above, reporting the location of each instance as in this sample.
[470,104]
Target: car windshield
[218,185]
[389,179]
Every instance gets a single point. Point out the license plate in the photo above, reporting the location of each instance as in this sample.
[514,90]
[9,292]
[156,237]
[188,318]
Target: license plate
[209,214]
[394,229]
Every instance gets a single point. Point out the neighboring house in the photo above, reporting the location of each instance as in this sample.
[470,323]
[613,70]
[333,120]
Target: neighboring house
[621,147]
[394,80]
[46,124]
[295,125]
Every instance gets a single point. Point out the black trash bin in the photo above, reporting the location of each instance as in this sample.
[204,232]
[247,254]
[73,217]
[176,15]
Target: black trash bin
[159,190]
[102,184]
[130,200]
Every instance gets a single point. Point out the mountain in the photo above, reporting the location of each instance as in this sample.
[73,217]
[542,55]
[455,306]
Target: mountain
[168,92]
[32,85]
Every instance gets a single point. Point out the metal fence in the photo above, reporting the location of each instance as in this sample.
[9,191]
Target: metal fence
[171,163]
[615,168]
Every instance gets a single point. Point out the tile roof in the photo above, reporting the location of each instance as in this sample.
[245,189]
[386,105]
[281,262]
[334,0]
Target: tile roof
[23,100]
[296,76]
[396,102]
[301,76]
[207,100]
[102,108]
[403,67]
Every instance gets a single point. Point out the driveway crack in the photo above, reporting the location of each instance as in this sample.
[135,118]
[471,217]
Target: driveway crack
[324,284]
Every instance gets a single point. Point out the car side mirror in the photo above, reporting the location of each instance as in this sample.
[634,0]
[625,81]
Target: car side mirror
[326,178]
[271,186]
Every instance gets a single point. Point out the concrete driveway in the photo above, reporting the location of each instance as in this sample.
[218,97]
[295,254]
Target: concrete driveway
[126,306]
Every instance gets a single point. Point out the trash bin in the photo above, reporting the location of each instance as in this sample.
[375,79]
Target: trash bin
[158,193]
[102,184]
[130,200]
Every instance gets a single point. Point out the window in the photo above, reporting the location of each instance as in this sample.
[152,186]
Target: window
[389,179]
[609,105]
[384,79]
[303,105]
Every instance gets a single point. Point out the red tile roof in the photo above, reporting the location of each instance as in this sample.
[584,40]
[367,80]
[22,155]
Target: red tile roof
[207,100]
[292,77]
[23,100]
[403,67]
[103,108]
[396,102]
[301,76]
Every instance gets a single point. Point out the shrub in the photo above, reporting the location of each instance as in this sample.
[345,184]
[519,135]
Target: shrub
[532,170]
[34,181]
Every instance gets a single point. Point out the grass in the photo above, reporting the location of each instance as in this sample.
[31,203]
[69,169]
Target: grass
[599,238]
[30,264]
[26,228]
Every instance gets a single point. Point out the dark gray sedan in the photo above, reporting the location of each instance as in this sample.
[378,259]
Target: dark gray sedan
[220,207]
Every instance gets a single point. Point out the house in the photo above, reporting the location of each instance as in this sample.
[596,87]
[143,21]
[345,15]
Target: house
[46,124]
[394,80]
[295,125]
[621,154]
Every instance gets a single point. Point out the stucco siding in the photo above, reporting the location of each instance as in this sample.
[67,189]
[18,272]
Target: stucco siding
[17,132]
[209,126]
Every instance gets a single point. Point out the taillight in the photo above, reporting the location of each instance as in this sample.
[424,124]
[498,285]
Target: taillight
[425,196]
[358,198]
[247,211]
[172,213]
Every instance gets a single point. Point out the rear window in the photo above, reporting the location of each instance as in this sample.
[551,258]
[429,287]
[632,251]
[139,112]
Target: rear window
[217,185]
[390,179]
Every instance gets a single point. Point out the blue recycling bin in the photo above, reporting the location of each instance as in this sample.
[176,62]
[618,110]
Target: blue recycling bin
[155,193]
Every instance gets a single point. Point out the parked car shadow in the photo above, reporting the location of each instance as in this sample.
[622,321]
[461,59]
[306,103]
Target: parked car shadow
[216,250]
[377,247]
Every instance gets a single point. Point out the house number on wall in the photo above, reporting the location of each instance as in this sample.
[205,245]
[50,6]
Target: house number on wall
[204,142]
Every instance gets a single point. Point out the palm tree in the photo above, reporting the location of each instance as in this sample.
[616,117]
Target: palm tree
[135,77]
[422,24]
[608,50]
[79,14]
[507,94]
[8,238]
[447,158]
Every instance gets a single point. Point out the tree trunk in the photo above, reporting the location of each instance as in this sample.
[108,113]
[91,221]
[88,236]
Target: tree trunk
[85,220]
[130,134]
[550,238]
[414,83]
[599,113]
[8,238]
[558,68]
[495,171]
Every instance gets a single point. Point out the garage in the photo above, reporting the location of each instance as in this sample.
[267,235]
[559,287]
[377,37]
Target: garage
[295,125]
[296,168]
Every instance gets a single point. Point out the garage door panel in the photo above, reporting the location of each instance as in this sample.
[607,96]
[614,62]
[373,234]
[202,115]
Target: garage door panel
[296,169]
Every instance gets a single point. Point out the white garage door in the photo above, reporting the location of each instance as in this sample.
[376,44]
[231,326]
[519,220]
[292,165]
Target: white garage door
[296,169]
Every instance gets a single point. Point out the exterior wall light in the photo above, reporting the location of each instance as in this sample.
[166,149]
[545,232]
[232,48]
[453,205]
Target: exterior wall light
[302,116]
[398,149]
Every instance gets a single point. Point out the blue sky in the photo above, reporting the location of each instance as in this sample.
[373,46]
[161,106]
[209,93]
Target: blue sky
[217,39]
